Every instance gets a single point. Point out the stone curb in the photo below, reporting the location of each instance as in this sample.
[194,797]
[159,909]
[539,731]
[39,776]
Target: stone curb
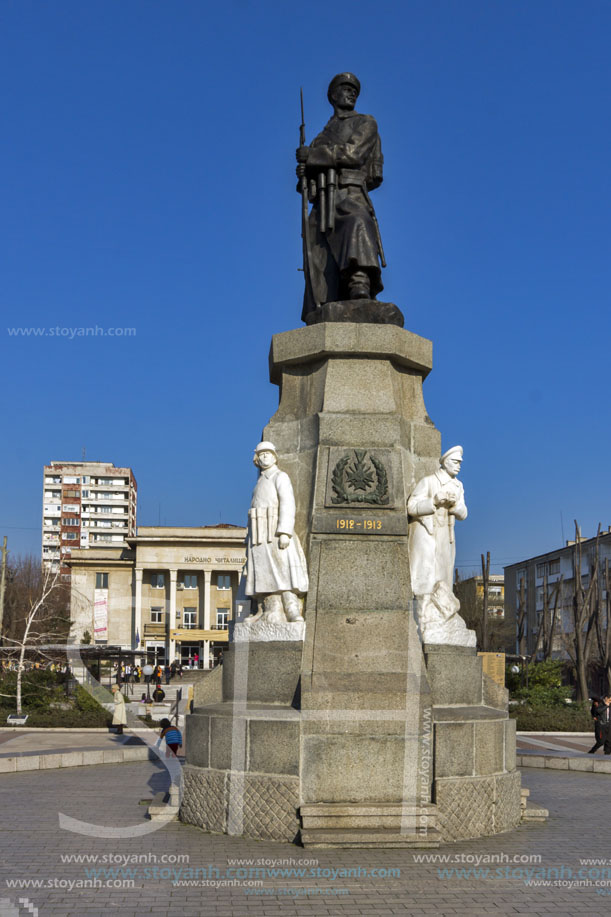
[558,735]
[72,759]
[75,730]
[591,764]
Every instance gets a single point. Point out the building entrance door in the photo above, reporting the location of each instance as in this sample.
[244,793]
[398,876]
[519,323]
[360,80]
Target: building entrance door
[188,651]
[155,653]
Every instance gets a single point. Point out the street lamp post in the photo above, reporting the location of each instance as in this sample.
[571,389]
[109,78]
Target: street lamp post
[147,671]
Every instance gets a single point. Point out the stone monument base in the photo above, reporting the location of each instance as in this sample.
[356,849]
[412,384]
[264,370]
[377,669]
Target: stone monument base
[359,736]
[476,787]
[242,770]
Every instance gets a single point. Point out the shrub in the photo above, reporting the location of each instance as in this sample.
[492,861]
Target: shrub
[545,688]
[569,718]
[85,702]
[73,718]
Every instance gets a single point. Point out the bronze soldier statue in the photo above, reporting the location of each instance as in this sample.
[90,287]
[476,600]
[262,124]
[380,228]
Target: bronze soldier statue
[342,164]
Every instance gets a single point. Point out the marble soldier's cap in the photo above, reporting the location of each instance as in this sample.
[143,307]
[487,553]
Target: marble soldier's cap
[340,78]
[454,449]
[265,446]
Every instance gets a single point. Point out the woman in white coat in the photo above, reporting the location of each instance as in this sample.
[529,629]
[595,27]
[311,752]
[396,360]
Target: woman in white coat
[119,717]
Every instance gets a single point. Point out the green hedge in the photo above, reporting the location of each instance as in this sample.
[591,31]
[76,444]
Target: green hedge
[570,718]
[73,718]
[45,701]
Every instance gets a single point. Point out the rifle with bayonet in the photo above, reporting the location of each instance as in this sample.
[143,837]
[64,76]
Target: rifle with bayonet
[305,228]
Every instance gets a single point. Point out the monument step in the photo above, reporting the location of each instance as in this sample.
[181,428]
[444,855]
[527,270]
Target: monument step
[466,713]
[534,813]
[368,837]
[362,808]
[163,808]
[402,819]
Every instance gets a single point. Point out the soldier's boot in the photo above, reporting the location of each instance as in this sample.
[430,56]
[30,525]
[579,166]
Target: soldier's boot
[272,609]
[359,285]
[292,606]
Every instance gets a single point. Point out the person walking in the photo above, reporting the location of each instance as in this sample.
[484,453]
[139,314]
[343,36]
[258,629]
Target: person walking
[605,722]
[595,712]
[119,717]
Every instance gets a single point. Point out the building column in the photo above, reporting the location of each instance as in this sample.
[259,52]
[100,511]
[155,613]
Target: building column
[171,644]
[206,649]
[138,636]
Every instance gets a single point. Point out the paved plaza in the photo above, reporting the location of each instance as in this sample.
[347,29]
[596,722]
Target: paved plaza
[485,876]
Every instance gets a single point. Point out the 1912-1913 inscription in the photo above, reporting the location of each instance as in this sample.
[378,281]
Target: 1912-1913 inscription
[335,524]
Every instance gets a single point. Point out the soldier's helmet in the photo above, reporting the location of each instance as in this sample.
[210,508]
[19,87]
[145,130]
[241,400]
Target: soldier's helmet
[340,78]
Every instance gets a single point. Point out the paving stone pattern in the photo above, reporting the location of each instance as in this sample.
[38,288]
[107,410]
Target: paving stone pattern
[32,845]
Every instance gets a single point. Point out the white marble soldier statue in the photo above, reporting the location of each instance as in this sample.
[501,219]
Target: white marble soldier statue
[276,569]
[433,507]
[347,158]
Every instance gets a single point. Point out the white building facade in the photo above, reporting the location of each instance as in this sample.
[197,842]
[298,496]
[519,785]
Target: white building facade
[169,593]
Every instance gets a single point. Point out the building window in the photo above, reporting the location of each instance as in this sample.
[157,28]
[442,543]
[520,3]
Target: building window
[554,566]
[222,618]
[70,521]
[85,493]
[156,615]
[189,618]
[190,580]
[101,581]
[158,580]
[70,536]
[104,509]
[223,581]
[541,570]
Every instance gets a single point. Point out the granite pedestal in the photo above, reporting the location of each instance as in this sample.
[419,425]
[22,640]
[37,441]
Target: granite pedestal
[369,738]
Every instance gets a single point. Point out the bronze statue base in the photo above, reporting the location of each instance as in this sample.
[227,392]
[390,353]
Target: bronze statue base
[366,311]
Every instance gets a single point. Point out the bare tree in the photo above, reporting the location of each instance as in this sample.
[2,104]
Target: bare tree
[605,644]
[547,626]
[39,620]
[24,581]
[492,632]
[585,612]
[485,585]
[522,618]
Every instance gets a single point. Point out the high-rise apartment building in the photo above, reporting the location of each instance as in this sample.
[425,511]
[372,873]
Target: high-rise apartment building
[85,504]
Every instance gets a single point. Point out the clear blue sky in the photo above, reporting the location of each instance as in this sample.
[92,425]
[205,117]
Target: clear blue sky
[148,171]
